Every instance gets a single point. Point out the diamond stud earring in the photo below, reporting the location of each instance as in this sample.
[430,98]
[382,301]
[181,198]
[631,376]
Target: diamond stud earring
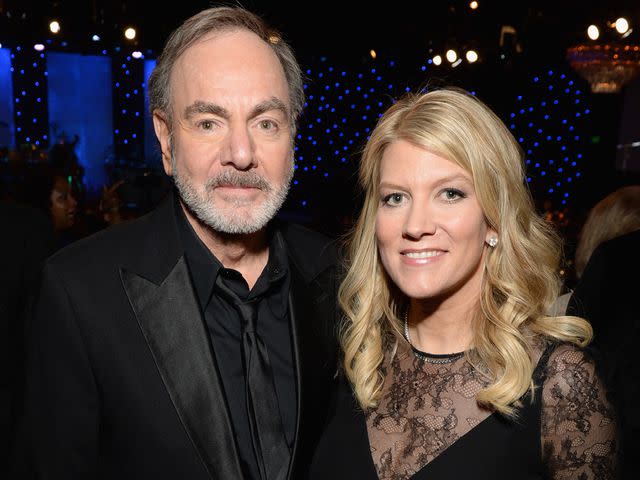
[493,241]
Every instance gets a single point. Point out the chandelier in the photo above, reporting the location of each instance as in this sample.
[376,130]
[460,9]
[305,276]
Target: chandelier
[606,67]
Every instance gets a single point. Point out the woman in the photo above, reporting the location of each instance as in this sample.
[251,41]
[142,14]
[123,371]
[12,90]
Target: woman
[451,368]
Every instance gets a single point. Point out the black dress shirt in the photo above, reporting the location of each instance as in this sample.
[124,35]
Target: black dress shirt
[224,325]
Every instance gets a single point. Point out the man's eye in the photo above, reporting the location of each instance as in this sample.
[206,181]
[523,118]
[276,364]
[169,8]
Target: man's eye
[206,125]
[267,124]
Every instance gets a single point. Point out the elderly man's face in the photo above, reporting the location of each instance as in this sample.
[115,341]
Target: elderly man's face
[230,151]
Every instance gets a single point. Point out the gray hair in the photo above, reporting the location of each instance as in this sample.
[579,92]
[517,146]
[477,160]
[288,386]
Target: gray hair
[219,19]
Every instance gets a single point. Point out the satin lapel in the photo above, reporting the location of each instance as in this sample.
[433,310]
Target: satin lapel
[173,327]
[305,309]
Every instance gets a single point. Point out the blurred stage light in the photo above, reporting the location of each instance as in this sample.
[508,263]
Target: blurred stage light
[452,56]
[593,32]
[130,33]
[437,60]
[472,56]
[622,25]
[54,26]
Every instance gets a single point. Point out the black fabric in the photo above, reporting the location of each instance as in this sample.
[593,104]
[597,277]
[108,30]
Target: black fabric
[269,444]
[270,295]
[496,449]
[608,296]
[103,403]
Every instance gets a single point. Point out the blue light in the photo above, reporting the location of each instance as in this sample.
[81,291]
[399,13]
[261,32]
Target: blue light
[28,139]
[295,182]
[117,84]
[304,203]
[577,114]
[543,104]
[327,87]
[528,179]
[558,184]
[308,72]
[359,75]
[34,120]
[373,70]
[550,87]
[546,117]
[587,111]
[555,102]
[343,74]
[566,195]
[512,126]
[577,92]
[535,79]
[44,137]
[124,111]
[127,95]
[530,124]
[577,174]
[550,162]
[37,84]
[117,131]
[23,93]
[19,114]
[424,68]
[343,160]
[579,155]
[537,165]
[539,130]
[19,129]
[521,140]
[37,142]
[543,173]
[133,135]
[567,90]
[571,82]
[320,75]
[551,190]
[531,109]
[576,101]
[560,170]
[562,76]
[326,174]
[512,115]
[519,97]
[550,72]
[522,110]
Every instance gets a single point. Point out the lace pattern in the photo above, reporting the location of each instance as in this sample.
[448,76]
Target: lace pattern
[425,408]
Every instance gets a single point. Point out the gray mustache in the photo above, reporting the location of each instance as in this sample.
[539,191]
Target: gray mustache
[238,179]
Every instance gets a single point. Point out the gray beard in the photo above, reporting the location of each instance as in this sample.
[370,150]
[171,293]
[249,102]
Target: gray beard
[225,219]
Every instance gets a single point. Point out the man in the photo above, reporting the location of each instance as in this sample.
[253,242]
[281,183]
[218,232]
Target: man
[198,341]
[607,296]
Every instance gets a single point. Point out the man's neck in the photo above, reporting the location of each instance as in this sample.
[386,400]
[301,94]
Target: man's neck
[246,253]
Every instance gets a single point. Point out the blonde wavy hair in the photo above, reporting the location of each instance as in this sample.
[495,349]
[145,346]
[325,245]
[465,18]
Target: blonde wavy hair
[616,214]
[519,280]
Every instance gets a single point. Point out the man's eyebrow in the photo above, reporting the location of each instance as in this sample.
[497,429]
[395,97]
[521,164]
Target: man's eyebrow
[274,103]
[199,107]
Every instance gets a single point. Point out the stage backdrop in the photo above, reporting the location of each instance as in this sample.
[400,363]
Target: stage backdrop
[80,103]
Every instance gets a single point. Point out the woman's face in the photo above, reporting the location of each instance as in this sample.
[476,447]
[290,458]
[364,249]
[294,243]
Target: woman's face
[63,205]
[430,229]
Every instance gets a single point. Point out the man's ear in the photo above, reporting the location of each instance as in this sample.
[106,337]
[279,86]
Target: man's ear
[163,133]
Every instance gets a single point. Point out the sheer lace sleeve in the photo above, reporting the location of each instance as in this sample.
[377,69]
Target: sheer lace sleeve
[579,432]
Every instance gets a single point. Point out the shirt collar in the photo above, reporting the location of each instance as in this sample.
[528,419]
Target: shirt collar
[205,267]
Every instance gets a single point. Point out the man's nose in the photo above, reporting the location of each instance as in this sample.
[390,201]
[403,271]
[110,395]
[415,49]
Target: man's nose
[240,148]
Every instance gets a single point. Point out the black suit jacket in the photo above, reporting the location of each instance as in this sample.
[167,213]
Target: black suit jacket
[26,240]
[608,295]
[123,382]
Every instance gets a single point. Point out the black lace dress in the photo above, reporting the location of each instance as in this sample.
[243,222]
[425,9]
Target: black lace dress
[429,426]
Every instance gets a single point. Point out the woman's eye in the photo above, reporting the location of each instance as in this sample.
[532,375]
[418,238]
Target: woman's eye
[452,194]
[393,199]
